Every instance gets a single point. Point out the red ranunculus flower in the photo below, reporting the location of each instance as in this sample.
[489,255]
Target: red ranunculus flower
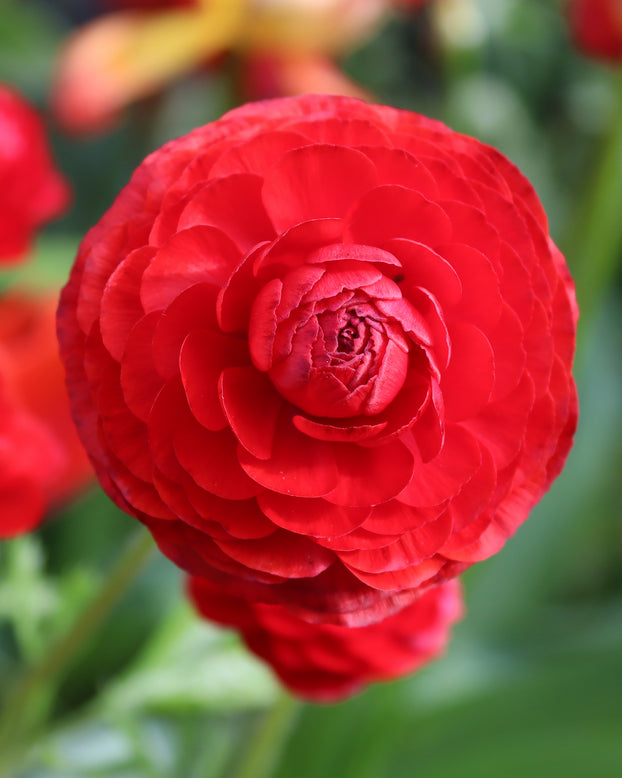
[34,375]
[30,458]
[32,191]
[596,27]
[322,349]
[326,662]
[42,462]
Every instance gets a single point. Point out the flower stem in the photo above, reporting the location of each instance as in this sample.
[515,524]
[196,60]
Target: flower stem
[262,754]
[594,244]
[21,712]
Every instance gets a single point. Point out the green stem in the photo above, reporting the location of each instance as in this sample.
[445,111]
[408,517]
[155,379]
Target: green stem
[594,244]
[16,722]
[262,754]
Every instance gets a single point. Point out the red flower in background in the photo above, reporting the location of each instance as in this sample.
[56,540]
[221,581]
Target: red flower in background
[29,461]
[325,662]
[42,460]
[32,191]
[596,27]
[323,349]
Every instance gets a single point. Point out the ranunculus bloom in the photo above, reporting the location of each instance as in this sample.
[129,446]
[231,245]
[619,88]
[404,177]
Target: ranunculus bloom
[42,462]
[596,27]
[30,458]
[326,662]
[33,376]
[322,349]
[32,191]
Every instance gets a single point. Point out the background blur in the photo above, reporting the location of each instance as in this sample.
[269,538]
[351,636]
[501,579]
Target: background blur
[532,681]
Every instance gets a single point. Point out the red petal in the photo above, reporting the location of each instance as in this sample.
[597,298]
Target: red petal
[429,431]
[388,212]
[410,548]
[200,254]
[441,478]
[256,155]
[357,539]
[477,541]
[470,226]
[251,405]
[282,554]
[174,496]
[139,495]
[507,345]
[428,307]
[539,348]
[233,305]
[501,427]
[218,204]
[121,307]
[339,252]
[101,260]
[516,288]
[370,476]
[422,267]
[396,166]
[297,245]
[263,324]
[342,131]
[127,437]
[210,458]
[204,355]
[314,517]
[139,379]
[194,309]
[480,303]
[315,182]
[346,431]
[395,517]
[470,375]
[299,465]
[476,494]
[397,580]
[167,412]
[238,518]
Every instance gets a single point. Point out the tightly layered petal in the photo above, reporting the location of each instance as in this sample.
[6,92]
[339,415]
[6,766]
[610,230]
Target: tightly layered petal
[322,349]
[325,662]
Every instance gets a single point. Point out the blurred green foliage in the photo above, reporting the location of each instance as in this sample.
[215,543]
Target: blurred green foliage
[532,681]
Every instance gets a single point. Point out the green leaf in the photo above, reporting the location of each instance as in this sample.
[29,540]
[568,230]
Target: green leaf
[222,675]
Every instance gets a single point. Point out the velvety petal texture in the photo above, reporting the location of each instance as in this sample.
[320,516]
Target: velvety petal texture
[324,662]
[32,191]
[343,322]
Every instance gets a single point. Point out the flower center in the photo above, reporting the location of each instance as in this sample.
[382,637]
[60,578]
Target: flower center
[336,341]
[349,334]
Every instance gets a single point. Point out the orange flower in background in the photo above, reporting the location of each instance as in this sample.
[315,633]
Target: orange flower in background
[325,662]
[41,459]
[149,4]
[596,27]
[123,56]
[32,191]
